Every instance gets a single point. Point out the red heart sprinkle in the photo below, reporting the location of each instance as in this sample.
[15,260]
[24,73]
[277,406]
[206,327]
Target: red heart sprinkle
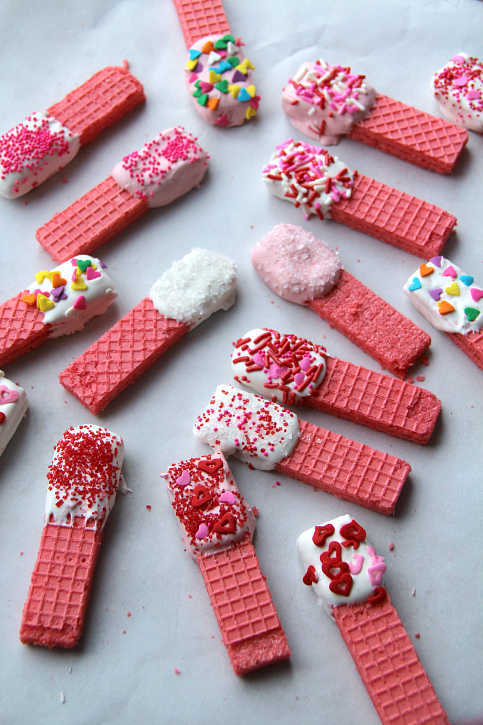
[352,531]
[225,525]
[379,596]
[201,495]
[210,466]
[342,585]
[310,576]
[328,566]
[2,420]
[321,533]
[326,555]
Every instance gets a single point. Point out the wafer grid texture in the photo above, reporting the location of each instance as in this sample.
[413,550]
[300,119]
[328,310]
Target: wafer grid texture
[121,355]
[395,217]
[91,221]
[21,329]
[200,18]
[238,593]
[411,135]
[98,103]
[349,470]
[372,324]
[61,581]
[471,344]
[377,401]
[389,665]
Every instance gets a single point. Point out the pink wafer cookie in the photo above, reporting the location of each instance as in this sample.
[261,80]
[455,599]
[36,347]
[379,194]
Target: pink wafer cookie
[302,269]
[293,370]
[200,284]
[200,18]
[311,178]
[346,574]
[217,527]
[165,169]
[325,102]
[83,481]
[42,145]
[268,437]
[58,302]
[452,302]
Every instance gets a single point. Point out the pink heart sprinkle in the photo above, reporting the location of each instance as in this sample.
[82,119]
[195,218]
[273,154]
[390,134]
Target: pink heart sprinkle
[275,371]
[476,294]
[461,81]
[258,359]
[228,497]
[299,378]
[206,87]
[193,77]
[202,531]
[305,364]
[73,262]
[80,303]
[74,275]
[472,95]
[449,272]
[184,479]
[458,59]
[92,274]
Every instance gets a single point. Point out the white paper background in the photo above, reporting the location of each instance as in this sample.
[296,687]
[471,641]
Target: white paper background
[46,49]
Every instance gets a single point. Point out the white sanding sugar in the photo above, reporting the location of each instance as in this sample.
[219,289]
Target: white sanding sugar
[201,283]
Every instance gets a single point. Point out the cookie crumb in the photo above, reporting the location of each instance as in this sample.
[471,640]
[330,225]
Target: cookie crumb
[421,378]
[417,635]
[391,546]
[176,671]
[424,360]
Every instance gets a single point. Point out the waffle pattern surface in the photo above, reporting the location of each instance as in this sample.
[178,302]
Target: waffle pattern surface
[377,401]
[91,221]
[412,135]
[57,601]
[121,356]
[349,470]
[372,324]
[200,18]
[21,329]
[389,665]
[471,344]
[243,607]
[99,102]
[395,217]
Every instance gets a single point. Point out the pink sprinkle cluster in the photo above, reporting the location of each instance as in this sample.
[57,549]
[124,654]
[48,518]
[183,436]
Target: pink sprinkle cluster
[150,165]
[460,80]
[27,148]
[320,86]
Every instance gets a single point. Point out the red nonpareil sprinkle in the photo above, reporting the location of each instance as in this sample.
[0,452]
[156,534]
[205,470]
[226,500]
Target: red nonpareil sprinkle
[176,671]
[148,507]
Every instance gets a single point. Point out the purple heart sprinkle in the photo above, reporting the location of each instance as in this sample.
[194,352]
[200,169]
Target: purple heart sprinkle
[101,264]
[436,293]
[238,76]
[436,261]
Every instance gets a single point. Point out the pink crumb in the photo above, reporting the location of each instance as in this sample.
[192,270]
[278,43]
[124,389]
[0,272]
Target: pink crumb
[128,614]
[391,546]
[255,511]
[424,360]
[410,380]
[148,507]
[417,635]
[125,64]
[64,180]
[421,378]
[21,553]
[124,631]
[176,671]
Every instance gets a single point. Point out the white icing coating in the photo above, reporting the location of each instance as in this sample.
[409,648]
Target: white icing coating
[84,476]
[308,177]
[458,88]
[296,265]
[67,315]
[226,91]
[278,366]
[324,101]
[370,570]
[13,405]
[32,152]
[200,284]
[164,169]
[455,288]
[245,425]
[197,522]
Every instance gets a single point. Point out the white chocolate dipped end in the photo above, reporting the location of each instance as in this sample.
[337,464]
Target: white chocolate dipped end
[308,176]
[212,513]
[13,406]
[71,293]
[354,569]
[458,88]
[164,169]
[324,101]
[32,152]
[200,284]
[245,425]
[296,265]
[84,477]
[447,297]
[286,368]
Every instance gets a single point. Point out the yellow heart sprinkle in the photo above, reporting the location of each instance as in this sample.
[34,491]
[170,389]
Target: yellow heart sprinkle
[453,289]
[78,284]
[251,91]
[40,276]
[234,90]
[214,77]
[250,113]
[43,303]
[191,64]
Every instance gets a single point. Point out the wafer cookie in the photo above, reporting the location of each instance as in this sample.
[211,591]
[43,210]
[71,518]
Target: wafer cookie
[346,575]
[300,268]
[325,102]
[268,437]
[45,142]
[217,527]
[84,478]
[165,169]
[201,283]
[321,184]
[57,303]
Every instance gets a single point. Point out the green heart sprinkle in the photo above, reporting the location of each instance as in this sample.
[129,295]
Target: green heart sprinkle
[203,100]
[221,44]
[83,264]
[197,93]
[229,37]
[222,86]
[197,83]
[233,60]
[471,313]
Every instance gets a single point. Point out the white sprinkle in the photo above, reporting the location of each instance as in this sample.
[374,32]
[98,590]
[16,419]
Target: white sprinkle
[414,592]
[62,698]
[69,670]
